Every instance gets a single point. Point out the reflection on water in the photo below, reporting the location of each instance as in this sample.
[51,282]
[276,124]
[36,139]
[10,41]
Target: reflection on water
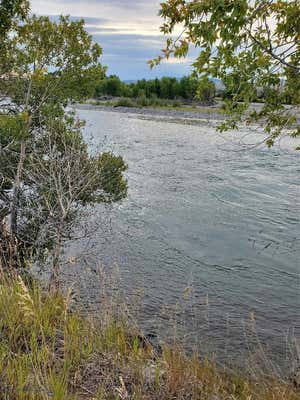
[203,213]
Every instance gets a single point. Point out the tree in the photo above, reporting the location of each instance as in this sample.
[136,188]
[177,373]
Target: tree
[206,90]
[188,87]
[47,174]
[256,43]
[111,86]
[10,12]
[63,178]
[164,88]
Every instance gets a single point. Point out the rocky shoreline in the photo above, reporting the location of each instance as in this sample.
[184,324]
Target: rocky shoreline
[187,117]
[201,115]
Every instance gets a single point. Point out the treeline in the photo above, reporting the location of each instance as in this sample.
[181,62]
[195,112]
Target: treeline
[187,88]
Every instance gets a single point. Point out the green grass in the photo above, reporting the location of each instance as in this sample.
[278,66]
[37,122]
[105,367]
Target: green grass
[49,352]
[156,104]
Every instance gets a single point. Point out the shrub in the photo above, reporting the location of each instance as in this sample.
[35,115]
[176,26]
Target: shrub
[124,102]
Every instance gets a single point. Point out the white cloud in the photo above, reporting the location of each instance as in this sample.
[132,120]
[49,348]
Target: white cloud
[135,16]
[127,30]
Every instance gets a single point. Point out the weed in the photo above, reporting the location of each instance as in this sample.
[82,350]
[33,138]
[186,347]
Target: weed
[48,352]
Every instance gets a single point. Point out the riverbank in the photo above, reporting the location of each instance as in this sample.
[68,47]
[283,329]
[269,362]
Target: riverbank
[193,114]
[188,115]
[48,351]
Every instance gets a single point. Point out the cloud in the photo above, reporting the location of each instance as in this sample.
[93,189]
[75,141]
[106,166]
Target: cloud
[128,32]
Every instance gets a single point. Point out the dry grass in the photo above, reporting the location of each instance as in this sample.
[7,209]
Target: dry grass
[157,104]
[49,352]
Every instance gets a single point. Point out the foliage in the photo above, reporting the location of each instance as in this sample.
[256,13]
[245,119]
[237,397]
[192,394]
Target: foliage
[47,173]
[123,102]
[165,88]
[12,130]
[142,102]
[49,352]
[50,64]
[206,90]
[250,46]
[63,178]
[11,11]
[111,85]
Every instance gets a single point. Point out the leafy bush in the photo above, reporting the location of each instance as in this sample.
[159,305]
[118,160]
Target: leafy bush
[206,91]
[124,102]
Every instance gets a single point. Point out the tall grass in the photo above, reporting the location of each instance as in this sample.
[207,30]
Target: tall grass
[49,352]
[141,102]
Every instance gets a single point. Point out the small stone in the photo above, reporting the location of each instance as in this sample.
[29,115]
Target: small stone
[296,378]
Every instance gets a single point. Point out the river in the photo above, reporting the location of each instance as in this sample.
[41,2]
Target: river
[210,233]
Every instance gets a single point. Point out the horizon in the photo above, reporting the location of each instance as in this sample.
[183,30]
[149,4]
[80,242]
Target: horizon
[128,32]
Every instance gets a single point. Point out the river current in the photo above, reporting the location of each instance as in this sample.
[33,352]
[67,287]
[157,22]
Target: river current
[209,233]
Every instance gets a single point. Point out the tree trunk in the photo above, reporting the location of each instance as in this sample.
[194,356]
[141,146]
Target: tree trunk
[16,192]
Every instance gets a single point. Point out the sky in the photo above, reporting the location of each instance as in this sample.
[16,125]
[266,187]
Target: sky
[127,30]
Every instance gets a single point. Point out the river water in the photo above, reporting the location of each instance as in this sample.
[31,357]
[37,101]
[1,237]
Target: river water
[210,232]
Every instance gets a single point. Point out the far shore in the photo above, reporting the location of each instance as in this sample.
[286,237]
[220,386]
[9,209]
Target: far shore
[185,115]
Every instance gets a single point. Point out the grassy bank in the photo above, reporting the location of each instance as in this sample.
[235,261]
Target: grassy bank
[49,352]
[156,104]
